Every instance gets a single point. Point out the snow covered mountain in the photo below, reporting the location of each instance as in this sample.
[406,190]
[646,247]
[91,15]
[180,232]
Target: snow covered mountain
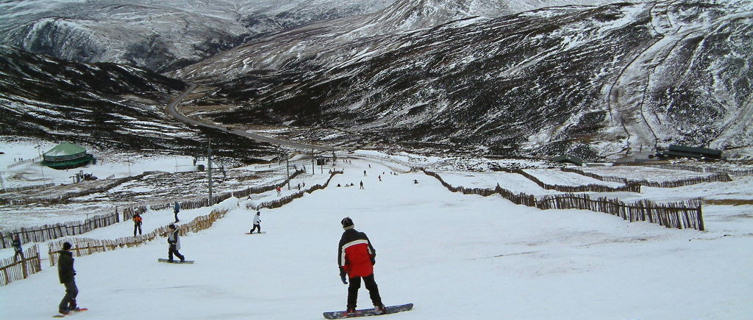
[158,35]
[481,76]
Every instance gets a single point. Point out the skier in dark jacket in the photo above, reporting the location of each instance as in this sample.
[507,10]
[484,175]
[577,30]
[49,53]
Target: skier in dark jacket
[18,247]
[67,277]
[137,220]
[176,209]
[356,258]
[174,242]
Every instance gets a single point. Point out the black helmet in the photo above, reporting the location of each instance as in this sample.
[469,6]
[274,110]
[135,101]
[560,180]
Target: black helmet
[347,223]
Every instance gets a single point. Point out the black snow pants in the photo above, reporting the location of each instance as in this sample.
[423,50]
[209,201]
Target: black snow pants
[355,284]
[174,250]
[69,300]
[256,227]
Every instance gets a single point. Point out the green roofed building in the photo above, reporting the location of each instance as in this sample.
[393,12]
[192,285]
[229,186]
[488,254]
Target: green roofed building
[65,156]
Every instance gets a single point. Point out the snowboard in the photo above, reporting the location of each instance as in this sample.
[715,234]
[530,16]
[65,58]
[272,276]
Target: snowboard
[368,312]
[255,233]
[175,261]
[60,315]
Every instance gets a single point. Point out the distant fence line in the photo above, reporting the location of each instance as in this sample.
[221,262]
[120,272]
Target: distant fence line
[50,232]
[288,199]
[37,186]
[85,246]
[678,215]
[64,198]
[628,187]
[733,172]
[13,269]
[129,212]
[716,177]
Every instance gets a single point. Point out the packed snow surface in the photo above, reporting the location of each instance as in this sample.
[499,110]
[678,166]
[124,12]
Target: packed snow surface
[454,256]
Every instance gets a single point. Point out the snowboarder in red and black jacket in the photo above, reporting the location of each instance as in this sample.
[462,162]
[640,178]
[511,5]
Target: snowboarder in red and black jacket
[356,258]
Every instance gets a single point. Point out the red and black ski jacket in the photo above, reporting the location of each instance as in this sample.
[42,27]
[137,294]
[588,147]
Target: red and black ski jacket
[355,254]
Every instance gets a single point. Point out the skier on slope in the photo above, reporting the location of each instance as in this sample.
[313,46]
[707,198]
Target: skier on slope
[137,223]
[174,241]
[356,258]
[18,247]
[67,274]
[257,223]
[176,209]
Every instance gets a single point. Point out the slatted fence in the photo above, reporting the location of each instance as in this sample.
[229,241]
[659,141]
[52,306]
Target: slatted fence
[716,177]
[687,214]
[50,232]
[628,186]
[85,246]
[20,268]
[288,199]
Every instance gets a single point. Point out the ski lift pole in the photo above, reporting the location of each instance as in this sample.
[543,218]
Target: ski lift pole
[287,168]
[209,170]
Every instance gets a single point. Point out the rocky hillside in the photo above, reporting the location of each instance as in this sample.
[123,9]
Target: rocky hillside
[101,104]
[477,76]
[601,82]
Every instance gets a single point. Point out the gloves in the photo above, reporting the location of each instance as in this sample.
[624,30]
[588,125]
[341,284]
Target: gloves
[342,276]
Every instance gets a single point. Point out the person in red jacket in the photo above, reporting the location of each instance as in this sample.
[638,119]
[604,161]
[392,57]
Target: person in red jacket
[356,258]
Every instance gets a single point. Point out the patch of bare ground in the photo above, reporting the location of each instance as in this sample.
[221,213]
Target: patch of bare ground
[728,202]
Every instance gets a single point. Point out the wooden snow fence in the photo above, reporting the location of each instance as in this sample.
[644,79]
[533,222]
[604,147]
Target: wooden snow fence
[129,212]
[26,188]
[680,215]
[16,269]
[731,172]
[85,246]
[628,186]
[277,203]
[50,232]
[716,177]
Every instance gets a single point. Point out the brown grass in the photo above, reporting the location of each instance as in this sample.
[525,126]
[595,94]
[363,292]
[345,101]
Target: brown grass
[728,202]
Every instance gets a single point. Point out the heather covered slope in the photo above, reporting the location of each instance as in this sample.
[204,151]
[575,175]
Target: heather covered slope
[103,104]
[594,81]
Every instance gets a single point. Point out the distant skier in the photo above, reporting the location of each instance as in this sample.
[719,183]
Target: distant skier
[361,184]
[356,258]
[176,209]
[257,223]
[137,224]
[18,247]
[174,241]
[279,191]
[67,274]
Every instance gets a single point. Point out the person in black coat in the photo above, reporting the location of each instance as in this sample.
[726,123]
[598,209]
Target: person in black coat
[67,277]
[18,247]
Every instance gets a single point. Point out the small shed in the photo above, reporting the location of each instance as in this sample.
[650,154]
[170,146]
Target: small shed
[65,156]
